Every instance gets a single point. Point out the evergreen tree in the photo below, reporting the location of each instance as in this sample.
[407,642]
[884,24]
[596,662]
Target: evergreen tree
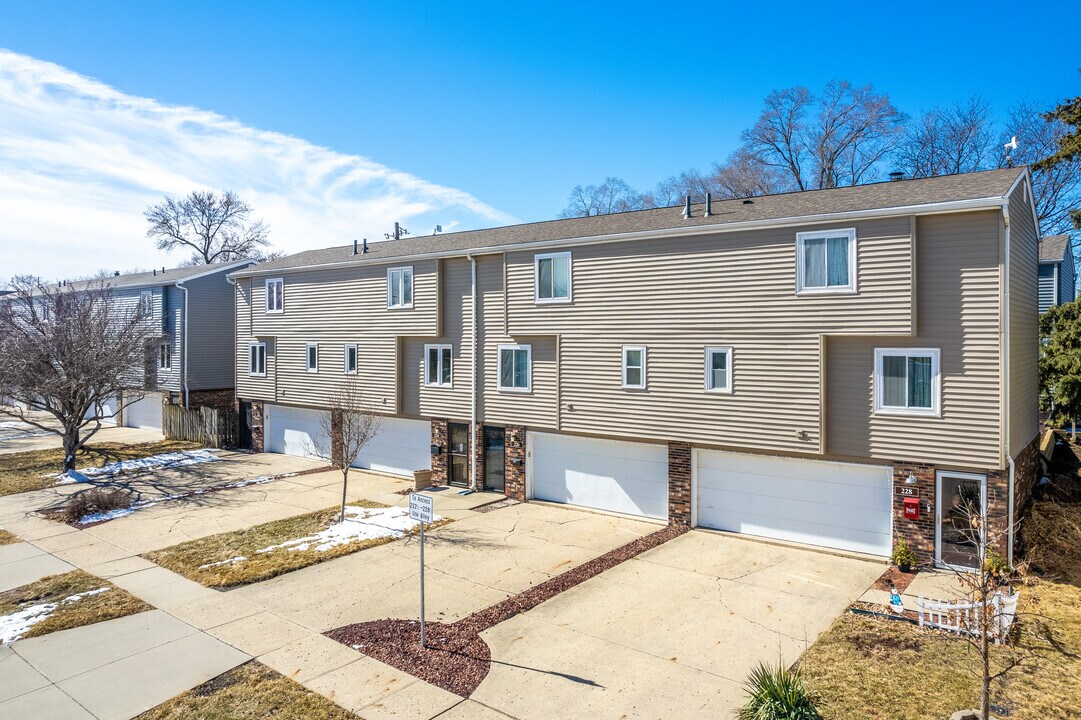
[1060,362]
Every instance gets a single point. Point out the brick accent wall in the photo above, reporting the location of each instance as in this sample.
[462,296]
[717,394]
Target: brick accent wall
[1027,464]
[222,399]
[478,454]
[257,426]
[679,483]
[439,462]
[516,462]
[920,534]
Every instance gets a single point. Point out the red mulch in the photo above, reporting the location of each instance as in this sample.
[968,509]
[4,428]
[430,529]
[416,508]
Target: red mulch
[456,658]
[900,580]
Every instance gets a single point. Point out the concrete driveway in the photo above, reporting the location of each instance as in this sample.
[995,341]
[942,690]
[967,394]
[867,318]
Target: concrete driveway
[16,436]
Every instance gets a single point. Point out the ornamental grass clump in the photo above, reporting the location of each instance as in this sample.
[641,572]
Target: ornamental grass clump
[777,693]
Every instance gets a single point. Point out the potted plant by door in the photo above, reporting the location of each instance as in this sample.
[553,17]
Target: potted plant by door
[903,556]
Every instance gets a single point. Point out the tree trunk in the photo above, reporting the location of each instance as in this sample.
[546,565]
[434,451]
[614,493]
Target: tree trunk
[345,487]
[985,647]
[71,444]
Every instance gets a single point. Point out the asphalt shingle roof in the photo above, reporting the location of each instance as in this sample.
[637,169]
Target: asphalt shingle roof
[900,193]
[1053,248]
[168,276]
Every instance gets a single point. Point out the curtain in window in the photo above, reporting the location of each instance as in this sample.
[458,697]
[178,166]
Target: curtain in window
[919,382]
[433,366]
[814,262]
[395,288]
[444,367]
[837,261]
[521,369]
[544,287]
[561,277]
[719,370]
[506,368]
[894,381]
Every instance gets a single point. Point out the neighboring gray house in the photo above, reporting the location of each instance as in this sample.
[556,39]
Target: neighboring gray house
[192,362]
[1056,271]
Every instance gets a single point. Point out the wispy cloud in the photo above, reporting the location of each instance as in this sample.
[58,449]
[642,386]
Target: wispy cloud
[80,161]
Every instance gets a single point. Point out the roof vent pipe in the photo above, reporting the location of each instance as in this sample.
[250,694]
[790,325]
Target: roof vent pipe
[116,273]
[709,204]
[365,250]
[687,209]
[162,269]
[354,246]
[748,202]
[897,175]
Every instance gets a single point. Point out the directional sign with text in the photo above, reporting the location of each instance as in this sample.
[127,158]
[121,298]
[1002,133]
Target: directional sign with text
[420,507]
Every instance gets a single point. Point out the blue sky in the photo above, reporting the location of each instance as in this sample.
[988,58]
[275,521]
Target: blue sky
[509,104]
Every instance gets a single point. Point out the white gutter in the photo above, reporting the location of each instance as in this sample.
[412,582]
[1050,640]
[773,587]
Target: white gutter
[990,203]
[184,360]
[473,369]
[1006,384]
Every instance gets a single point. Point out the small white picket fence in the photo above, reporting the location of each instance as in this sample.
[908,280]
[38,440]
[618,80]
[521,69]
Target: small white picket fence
[964,616]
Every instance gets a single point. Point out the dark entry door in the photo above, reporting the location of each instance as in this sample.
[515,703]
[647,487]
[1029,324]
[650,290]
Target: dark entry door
[494,459]
[245,426]
[459,453]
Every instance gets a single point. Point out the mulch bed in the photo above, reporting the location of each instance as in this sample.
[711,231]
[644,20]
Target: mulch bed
[457,659]
[900,580]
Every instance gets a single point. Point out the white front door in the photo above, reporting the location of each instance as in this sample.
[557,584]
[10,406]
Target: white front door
[959,499]
[835,505]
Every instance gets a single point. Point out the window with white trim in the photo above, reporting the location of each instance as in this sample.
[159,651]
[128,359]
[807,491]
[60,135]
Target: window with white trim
[146,303]
[634,367]
[437,365]
[400,287]
[719,369]
[553,277]
[350,360]
[165,356]
[515,368]
[826,261]
[275,295]
[908,381]
[257,359]
[311,357]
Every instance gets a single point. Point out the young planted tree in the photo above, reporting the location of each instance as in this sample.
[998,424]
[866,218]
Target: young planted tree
[348,425]
[214,227]
[1060,364]
[70,352]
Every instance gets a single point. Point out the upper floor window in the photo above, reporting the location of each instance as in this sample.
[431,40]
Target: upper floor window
[515,367]
[437,371]
[553,277]
[275,295]
[826,261]
[257,359]
[400,287]
[311,357]
[146,303]
[634,367]
[719,369]
[907,381]
[350,359]
[165,356]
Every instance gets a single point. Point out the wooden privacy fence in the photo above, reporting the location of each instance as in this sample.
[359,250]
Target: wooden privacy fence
[210,426]
[963,617]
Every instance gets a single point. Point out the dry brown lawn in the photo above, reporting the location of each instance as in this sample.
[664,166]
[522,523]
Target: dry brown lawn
[186,558]
[37,469]
[108,605]
[7,537]
[251,691]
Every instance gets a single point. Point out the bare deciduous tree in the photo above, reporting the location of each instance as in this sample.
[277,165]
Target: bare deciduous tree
[611,196]
[70,351]
[742,175]
[216,228]
[947,140]
[675,189]
[347,426]
[836,139]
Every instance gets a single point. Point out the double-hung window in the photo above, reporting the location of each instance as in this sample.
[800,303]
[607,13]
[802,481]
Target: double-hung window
[350,359]
[515,368]
[257,359]
[146,303]
[165,356]
[634,367]
[311,357]
[400,287]
[553,277]
[719,369]
[275,295]
[907,381]
[826,261]
[437,362]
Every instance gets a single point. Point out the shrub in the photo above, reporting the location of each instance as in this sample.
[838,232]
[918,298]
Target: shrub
[776,693]
[994,564]
[95,500]
[903,556]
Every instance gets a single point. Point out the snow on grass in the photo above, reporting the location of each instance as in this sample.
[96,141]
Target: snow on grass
[15,625]
[163,461]
[230,561]
[360,524]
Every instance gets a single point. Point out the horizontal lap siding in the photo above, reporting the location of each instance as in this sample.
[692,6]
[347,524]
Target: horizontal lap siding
[1047,286]
[211,327]
[1024,324]
[958,312]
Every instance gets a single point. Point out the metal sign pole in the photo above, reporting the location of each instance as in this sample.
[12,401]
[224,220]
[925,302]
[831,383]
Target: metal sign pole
[422,584]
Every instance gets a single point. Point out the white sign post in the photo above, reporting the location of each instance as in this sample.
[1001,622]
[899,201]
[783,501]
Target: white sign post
[420,509]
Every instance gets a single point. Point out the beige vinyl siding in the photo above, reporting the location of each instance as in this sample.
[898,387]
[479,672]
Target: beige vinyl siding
[1024,323]
[958,312]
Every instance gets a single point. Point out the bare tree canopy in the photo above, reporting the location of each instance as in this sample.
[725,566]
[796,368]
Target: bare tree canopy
[347,426]
[959,138]
[611,196]
[71,353]
[214,227]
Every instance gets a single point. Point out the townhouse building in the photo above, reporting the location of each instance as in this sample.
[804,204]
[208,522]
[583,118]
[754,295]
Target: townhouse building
[839,368]
[1057,272]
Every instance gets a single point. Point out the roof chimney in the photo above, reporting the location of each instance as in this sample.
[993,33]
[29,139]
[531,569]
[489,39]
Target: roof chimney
[354,246]
[365,248]
[896,175]
[709,204]
[687,209]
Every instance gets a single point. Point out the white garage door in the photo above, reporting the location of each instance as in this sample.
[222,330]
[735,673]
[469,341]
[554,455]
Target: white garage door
[834,505]
[623,477]
[108,411]
[293,431]
[144,413]
[401,447]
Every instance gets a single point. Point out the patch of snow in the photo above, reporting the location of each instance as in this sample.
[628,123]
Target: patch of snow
[359,524]
[15,625]
[8,424]
[230,561]
[153,462]
[107,515]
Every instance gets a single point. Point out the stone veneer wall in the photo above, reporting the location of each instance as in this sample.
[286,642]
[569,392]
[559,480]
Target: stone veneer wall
[679,483]
[515,462]
[257,426]
[440,461]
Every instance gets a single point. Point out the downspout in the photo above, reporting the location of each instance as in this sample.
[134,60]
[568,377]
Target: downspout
[1006,379]
[473,370]
[184,340]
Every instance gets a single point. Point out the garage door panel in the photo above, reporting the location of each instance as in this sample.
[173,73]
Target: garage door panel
[842,506]
[144,413]
[293,431]
[401,447]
